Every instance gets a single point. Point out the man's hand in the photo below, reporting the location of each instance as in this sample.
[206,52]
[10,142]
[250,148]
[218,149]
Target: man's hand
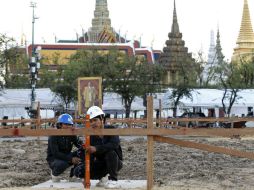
[91,149]
[75,160]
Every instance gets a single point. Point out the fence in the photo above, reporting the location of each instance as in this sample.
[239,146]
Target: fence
[153,134]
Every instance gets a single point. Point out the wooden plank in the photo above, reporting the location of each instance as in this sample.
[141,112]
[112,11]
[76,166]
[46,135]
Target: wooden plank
[212,119]
[248,132]
[163,120]
[150,144]
[149,165]
[205,147]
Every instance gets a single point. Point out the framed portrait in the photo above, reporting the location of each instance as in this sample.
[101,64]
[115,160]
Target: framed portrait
[89,93]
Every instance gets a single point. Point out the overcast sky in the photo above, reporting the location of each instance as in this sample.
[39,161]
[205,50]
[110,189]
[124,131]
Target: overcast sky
[150,19]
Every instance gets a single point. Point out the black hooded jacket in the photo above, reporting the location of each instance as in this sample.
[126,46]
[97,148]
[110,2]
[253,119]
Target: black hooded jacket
[59,147]
[105,144]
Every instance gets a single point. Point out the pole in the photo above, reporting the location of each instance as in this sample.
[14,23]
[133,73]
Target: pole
[33,5]
[33,65]
[150,144]
[87,157]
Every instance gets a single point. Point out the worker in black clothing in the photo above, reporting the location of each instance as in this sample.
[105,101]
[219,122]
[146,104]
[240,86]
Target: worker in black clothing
[105,153]
[59,153]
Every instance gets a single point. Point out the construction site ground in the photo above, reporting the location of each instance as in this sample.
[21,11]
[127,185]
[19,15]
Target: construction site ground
[23,164]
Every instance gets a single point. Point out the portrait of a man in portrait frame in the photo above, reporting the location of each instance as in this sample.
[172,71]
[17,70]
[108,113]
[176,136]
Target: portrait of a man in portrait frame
[89,93]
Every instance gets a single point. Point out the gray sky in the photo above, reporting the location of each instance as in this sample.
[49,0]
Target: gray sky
[150,19]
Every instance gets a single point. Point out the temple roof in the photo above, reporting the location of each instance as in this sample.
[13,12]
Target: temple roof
[175,51]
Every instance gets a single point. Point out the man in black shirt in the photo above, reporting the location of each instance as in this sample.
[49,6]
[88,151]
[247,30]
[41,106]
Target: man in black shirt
[106,153]
[59,153]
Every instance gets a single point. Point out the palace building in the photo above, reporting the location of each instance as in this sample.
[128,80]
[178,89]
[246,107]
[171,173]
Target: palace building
[101,36]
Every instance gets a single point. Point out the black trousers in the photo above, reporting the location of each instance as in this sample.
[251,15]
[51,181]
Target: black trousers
[58,166]
[109,164]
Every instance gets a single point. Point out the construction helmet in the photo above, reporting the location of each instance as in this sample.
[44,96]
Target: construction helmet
[65,119]
[95,111]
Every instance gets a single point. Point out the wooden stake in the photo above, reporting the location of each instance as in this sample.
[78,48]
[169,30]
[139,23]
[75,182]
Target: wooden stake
[38,123]
[87,157]
[160,108]
[150,143]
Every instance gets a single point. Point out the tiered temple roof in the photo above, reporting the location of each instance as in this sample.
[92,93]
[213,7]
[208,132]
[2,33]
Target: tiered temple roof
[100,21]
[175,53]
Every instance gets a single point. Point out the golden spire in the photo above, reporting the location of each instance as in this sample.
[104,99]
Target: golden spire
[246,32]
[245,42]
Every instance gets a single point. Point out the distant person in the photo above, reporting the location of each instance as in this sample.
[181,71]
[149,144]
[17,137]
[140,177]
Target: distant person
[54,125]
[59,153]
[22,123]
[106,154]
[4,118]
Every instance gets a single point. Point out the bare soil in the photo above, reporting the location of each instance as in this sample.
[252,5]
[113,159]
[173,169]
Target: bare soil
[23,164]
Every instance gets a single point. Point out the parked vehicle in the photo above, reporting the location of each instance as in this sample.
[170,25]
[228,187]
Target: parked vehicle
[237,124]
[249,124]
[194,123]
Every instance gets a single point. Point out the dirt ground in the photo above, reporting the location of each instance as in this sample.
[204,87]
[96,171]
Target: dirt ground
[23,164]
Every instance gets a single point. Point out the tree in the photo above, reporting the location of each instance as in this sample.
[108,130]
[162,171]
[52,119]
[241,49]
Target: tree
[246,69]
[125,75]
[200,65]
[135,79]
[231,81]
[177,94]
[65,89]
[65,92]
[13,64]
[16,71]
[188,72]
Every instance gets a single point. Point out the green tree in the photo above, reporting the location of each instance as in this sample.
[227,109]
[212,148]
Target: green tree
[187,80]
[65,92]
[16,71]
[200,65]
[232,83]
[120,73]
[177,94]
[13,64]
[132,79]
[246,69]
[84,63]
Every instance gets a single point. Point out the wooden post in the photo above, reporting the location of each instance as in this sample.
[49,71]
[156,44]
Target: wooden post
[160,108]
[87,157]
[150,144]
[232,123]
[38,122]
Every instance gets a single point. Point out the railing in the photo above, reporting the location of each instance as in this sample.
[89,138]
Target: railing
[153,134]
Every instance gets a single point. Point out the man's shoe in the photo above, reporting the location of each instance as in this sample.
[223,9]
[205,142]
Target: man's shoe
[102,181]
[75,179]
[112,185]
[55,179]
